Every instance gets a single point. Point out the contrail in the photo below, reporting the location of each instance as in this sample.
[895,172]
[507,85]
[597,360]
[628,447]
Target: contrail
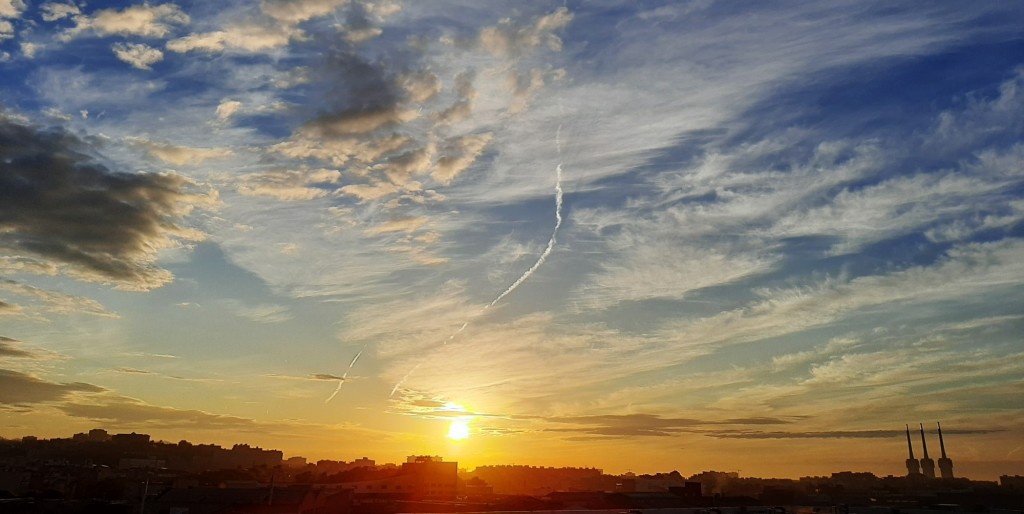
[540,260]
[345,376]
[558,221]
[402,381]
[459,331]
[551,242]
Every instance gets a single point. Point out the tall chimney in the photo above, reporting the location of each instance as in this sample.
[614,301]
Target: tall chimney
[927,464]
[945,463]
[913,467]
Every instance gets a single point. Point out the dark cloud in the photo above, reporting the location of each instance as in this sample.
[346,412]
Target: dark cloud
[646,424]
[358,26]
[310,377]
[833,434]
[18,388]
[9,348]
[500,431]
[58,203]
[361,115]
[756,421]
[133,371]
[325,376]
[361,97]
[626,425]
[356,120]
[126,411]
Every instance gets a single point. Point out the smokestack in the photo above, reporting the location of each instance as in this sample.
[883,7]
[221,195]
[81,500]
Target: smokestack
[913,466]
[924,442]
[945,463]
[942,445]
[927,464]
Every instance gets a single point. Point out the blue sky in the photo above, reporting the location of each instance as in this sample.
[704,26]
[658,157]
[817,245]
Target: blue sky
[648,236]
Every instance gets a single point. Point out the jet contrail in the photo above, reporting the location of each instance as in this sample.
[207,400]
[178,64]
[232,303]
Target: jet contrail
[551,242]
[558,220]
[402,381]
[345,376]
[540,260]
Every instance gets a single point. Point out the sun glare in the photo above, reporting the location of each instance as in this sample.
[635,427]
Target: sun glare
[458,430]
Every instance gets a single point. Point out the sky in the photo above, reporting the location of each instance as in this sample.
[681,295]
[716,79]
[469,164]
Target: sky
[638,236]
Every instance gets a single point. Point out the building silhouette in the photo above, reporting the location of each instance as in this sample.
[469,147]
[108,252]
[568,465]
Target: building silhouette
[927,464]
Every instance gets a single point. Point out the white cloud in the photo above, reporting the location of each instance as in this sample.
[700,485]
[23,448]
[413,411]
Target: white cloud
[245,37]
[356,36]
[178,155]
[459,154]
[466,94]
[227,108]
[11,8]
[407,225]
[523,87]
[29,49]
[890,208]
[53,11]
[262,313]
[289,185]
[421,86]
[6,30]
[660,266]
[966,271]
[140,56]
[41,300]
[508,40]
[374,190]
[154,21]
[297,11]
[57,114]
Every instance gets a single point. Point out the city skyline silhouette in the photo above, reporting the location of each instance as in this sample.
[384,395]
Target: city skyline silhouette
[634,236]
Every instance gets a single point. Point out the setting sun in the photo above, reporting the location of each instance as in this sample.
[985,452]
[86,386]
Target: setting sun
[458,430]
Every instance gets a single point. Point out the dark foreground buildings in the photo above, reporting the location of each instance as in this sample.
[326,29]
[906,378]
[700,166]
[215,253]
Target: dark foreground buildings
[129,473]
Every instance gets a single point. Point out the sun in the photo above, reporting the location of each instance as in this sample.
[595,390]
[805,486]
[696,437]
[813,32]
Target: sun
[458,430]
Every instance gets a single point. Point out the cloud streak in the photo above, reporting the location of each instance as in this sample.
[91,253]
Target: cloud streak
[23,389]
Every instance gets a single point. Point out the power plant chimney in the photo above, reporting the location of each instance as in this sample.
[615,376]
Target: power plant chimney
[927,464]
[913,467]
[945,463]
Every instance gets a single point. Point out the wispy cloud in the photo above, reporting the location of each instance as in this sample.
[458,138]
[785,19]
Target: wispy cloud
[10,348]
[138,55]
[155,21]
[35,301]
